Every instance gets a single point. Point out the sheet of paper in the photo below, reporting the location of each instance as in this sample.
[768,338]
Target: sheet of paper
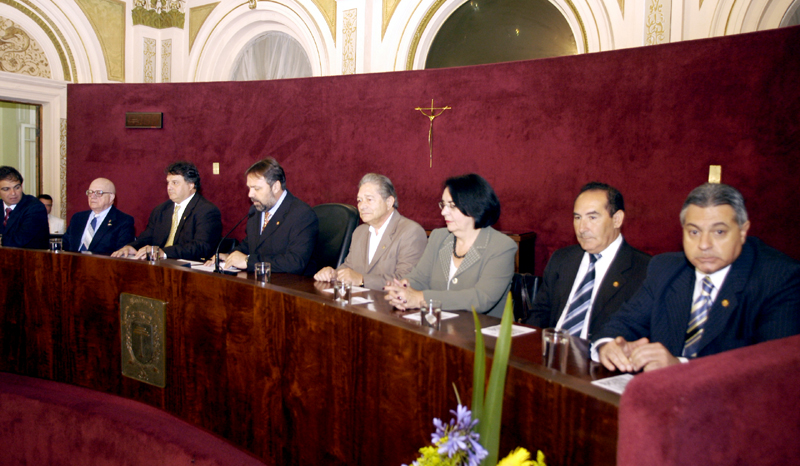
[494,330]
[355,289]
[415,316]
[210,268]
[359,300]
[615,384]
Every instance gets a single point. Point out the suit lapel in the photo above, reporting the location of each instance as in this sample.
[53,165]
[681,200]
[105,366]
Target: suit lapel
[614,274]
[186,213]
[727,300]
[276,220]
[678,303]
[473,256]
[386,240]
[103,228]
[14,217]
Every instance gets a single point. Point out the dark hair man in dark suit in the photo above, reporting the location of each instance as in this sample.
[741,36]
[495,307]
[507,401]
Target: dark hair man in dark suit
[103,229]
[725,291]
[186,227]
[24,222]
[589,281]
[283,232]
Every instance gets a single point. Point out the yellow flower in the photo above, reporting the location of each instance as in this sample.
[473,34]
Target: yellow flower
[521,457]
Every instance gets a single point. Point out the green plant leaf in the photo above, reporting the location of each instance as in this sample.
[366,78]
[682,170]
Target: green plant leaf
[493,407]
[478,374]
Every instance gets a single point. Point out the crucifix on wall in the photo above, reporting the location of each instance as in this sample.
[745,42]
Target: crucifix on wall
[433,112]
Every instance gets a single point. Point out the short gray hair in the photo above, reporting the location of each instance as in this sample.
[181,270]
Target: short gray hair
[714,194]
[384,184]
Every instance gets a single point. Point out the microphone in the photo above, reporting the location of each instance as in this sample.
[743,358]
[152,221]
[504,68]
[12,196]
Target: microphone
[250,213]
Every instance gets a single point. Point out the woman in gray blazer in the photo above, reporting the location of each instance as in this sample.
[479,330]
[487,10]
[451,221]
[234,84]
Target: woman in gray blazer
[469,263]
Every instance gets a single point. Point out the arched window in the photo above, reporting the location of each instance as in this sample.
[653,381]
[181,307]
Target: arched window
[273,55]
[493,31]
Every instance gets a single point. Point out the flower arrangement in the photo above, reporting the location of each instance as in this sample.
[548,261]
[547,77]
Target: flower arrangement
[458,443]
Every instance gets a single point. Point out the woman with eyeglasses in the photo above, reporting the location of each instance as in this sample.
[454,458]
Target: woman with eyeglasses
[469,263]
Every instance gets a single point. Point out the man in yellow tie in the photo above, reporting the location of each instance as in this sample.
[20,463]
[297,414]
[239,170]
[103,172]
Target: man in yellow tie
[188,226]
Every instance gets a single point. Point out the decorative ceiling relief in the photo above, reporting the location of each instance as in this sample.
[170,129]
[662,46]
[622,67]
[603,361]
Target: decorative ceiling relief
[107,18]
[158,14]
[388,10]
[19,53]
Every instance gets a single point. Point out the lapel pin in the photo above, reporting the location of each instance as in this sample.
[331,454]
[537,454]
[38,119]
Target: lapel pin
[616,284]
[277,223]
[725,303]
[455,280]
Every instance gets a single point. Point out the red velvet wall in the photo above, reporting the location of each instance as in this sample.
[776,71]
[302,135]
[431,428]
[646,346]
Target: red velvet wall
[647,120]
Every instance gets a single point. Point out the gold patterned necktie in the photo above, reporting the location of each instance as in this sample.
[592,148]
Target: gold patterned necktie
[174,228]
[267,216]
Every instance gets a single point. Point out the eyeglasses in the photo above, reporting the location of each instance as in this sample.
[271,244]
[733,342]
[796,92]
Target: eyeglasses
[91,193]
[451,205]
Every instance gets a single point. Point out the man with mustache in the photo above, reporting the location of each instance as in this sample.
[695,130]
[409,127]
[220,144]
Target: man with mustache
[725,291]
[284,230]
[584,284]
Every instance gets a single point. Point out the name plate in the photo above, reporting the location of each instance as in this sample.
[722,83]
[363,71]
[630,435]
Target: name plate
[143,330]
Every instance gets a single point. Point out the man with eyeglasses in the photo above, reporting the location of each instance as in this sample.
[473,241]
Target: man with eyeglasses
[103,229]
[187,226]
[24,222]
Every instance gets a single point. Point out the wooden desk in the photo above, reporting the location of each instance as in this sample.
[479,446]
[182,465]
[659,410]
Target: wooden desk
[285,372]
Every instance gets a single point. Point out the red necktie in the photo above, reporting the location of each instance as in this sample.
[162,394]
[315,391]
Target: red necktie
[8,212]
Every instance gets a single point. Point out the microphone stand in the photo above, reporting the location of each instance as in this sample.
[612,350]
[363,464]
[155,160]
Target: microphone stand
[216,254]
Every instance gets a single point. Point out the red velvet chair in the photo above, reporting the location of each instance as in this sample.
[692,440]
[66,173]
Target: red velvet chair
[741,407]
[51,423]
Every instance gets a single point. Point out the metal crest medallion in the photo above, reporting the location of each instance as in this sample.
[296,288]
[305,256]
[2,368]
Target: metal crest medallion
[143,328]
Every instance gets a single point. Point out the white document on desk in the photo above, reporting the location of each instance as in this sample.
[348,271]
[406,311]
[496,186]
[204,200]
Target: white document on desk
[355,289]
[415,316]
[210,268]
[615,384]
[516,330]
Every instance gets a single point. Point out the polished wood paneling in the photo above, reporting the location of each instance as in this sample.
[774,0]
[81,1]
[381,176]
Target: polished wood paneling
[285,372]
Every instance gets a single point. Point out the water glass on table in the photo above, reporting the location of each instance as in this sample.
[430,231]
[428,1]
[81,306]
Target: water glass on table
[263,273]
[153,254]
[430,314]
[56,245]
[555,348]
[342,291]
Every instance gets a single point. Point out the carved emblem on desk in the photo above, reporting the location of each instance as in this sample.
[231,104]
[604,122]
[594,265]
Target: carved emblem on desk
[143,327]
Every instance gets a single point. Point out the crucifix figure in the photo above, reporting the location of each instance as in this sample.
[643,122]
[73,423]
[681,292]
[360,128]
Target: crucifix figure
[433,113]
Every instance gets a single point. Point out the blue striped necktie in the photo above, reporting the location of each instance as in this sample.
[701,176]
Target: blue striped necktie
[581,302]
[697,319]
[87,238]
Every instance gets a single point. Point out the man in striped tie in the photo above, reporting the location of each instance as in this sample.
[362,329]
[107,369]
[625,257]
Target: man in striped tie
[725,291]
[103,228]
[584,284]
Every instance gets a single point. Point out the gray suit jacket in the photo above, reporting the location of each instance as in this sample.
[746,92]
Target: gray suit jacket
[482,280]
[398,252]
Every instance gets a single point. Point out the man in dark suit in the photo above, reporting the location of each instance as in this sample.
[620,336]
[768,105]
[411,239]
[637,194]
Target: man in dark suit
[24,222]
[103,229]
[186,227]
[723,292]
[589,281]
[284,229]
